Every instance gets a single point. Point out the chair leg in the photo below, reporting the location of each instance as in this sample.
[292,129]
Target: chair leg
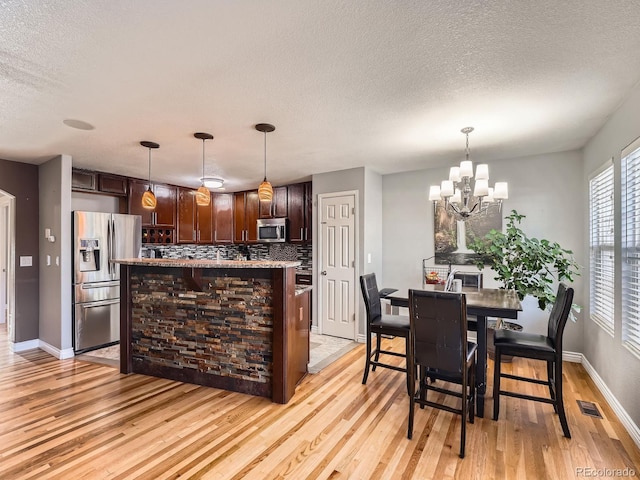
[408,362]
[412,386]
[378,347]
[472,386]
[367,363]
[496,383]
[463,417]
[552,388]
[422,385]
[559,398]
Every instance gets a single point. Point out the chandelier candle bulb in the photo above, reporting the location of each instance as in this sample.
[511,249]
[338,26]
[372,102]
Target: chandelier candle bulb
[466,168]
[481,188]
[446,188]
[457,196]
[489,197]
[454,174]
[434,193]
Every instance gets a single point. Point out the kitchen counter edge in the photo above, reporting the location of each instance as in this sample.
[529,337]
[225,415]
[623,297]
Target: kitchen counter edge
[195,263]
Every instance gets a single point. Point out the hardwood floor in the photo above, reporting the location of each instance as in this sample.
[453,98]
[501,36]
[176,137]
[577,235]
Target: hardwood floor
[72,419]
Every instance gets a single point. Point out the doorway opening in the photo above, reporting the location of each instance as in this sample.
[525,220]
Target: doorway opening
[7,263]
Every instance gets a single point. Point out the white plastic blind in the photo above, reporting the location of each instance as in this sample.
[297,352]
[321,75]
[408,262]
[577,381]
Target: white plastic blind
[631,250]
[602,257]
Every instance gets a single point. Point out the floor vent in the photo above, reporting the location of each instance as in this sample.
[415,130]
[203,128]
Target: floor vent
[589,408]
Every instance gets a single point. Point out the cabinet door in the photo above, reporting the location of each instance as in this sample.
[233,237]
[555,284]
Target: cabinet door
[165,213]
[251,213]
[222,217]
[114,184]
[277,208]
[186,216]
[205,223]
[83,180]
[136,189]
[297,207]
[308,213]
[238,217]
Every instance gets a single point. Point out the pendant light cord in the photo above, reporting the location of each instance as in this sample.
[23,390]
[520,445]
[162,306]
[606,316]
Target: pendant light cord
[203,161]
[265,156]
[149,168]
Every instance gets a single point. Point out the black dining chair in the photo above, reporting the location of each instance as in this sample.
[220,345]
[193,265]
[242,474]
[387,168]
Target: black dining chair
[440,350]
[381,324]
[538,347]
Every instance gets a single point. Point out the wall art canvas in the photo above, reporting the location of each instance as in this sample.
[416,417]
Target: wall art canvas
[452,236]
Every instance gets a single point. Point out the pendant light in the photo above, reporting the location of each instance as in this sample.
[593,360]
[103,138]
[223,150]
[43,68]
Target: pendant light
[265,190]
[203,196]
[148,198]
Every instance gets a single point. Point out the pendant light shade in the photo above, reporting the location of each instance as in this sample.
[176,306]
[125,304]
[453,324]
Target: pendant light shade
[148,198]
[265,190]
[203,195]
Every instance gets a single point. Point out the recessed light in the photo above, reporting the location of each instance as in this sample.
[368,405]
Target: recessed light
[79,124]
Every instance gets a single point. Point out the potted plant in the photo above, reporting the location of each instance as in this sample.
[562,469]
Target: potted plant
[527,265]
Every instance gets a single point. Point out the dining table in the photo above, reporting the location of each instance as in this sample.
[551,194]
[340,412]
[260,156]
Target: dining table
[482,303]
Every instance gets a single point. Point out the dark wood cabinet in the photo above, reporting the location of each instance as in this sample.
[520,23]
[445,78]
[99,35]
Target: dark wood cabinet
[301,346]
[158,224]
[194,223]
[278,207]
[222,217]
[113,184]
[299,212]
[98,182]
[246,210]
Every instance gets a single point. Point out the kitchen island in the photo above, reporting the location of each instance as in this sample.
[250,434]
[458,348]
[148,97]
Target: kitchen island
[234,325]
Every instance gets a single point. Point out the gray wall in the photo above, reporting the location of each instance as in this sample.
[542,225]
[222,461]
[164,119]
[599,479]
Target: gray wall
[21,181]
[545,188]
[619,369]
[55,278]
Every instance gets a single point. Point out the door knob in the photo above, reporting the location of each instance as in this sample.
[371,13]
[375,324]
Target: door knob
[324,272]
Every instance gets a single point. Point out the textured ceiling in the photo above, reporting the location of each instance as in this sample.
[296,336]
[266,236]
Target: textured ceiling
[386,84]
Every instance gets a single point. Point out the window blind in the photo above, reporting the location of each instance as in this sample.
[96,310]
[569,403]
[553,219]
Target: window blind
[631,250]
[602,257]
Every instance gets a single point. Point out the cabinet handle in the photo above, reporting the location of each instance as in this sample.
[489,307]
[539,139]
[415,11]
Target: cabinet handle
[215,236]
[301,233]
[306,233]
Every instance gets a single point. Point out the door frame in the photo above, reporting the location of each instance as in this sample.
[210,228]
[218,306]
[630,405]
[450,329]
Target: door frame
[322,197]
[8,204]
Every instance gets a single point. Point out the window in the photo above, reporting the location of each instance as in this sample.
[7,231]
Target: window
[602,257]
[631,247]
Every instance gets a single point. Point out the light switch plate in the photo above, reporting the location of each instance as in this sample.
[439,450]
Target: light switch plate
[26,261]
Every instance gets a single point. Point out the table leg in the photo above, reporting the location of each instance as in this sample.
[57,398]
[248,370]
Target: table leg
[481,365]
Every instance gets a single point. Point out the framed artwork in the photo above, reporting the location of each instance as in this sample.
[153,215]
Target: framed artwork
[452,236]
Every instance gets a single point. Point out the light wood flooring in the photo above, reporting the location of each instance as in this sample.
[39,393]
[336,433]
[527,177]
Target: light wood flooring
[73,419]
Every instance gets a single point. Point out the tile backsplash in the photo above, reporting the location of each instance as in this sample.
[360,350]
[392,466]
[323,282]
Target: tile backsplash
[276,251]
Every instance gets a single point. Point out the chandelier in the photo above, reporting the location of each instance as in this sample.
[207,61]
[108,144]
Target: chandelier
[459,198]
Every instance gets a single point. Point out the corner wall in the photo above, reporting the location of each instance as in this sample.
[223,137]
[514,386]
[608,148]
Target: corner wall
[21,181]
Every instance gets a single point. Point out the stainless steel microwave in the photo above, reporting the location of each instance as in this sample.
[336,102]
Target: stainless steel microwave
[271,230]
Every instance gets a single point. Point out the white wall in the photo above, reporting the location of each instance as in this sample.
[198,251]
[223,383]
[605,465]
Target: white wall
[55,326]
[372,240]
[545,188]
[617,367]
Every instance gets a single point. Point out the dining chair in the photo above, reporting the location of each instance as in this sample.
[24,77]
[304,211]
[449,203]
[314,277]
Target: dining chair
[440,350]
[381,324]
[538,347]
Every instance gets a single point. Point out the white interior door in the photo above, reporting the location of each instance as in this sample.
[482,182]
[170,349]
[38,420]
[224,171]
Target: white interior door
[337,266]
[4,240]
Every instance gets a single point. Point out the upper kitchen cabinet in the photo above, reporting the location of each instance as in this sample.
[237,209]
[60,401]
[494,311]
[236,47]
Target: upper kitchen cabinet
[277,208]
[158,224]
[300,207]
[97,182]
[222,217]
[194,221]
[246,210]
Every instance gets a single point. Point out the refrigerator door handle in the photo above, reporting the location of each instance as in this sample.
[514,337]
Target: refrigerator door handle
[113,247]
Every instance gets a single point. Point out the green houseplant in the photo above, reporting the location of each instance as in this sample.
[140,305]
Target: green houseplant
[527,265]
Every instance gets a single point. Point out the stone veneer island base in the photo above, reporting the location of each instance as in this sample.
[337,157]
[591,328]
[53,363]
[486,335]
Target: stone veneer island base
[232,325]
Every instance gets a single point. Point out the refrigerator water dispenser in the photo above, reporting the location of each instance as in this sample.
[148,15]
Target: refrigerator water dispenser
[89,255]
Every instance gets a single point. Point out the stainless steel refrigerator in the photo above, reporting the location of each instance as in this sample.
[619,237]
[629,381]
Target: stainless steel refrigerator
[98,239]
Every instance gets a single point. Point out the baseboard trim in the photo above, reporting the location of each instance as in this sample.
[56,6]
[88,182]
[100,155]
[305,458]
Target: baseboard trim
[574,357]
[56,352]
[314,329]
[618,409]
[361,338]
[17,347]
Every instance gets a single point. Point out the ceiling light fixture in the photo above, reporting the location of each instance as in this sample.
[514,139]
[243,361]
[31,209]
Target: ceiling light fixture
[457,194]
[203,195]
[148,198]
[265,190]
[212,182]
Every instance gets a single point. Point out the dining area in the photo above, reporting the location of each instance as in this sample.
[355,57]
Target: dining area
[441,359]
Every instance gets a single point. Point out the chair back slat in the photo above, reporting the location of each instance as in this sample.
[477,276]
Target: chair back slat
[439,329]
[559,315]
[371,296]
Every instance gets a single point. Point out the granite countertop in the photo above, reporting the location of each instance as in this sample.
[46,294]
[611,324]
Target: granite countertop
[302,288]
[203,263]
